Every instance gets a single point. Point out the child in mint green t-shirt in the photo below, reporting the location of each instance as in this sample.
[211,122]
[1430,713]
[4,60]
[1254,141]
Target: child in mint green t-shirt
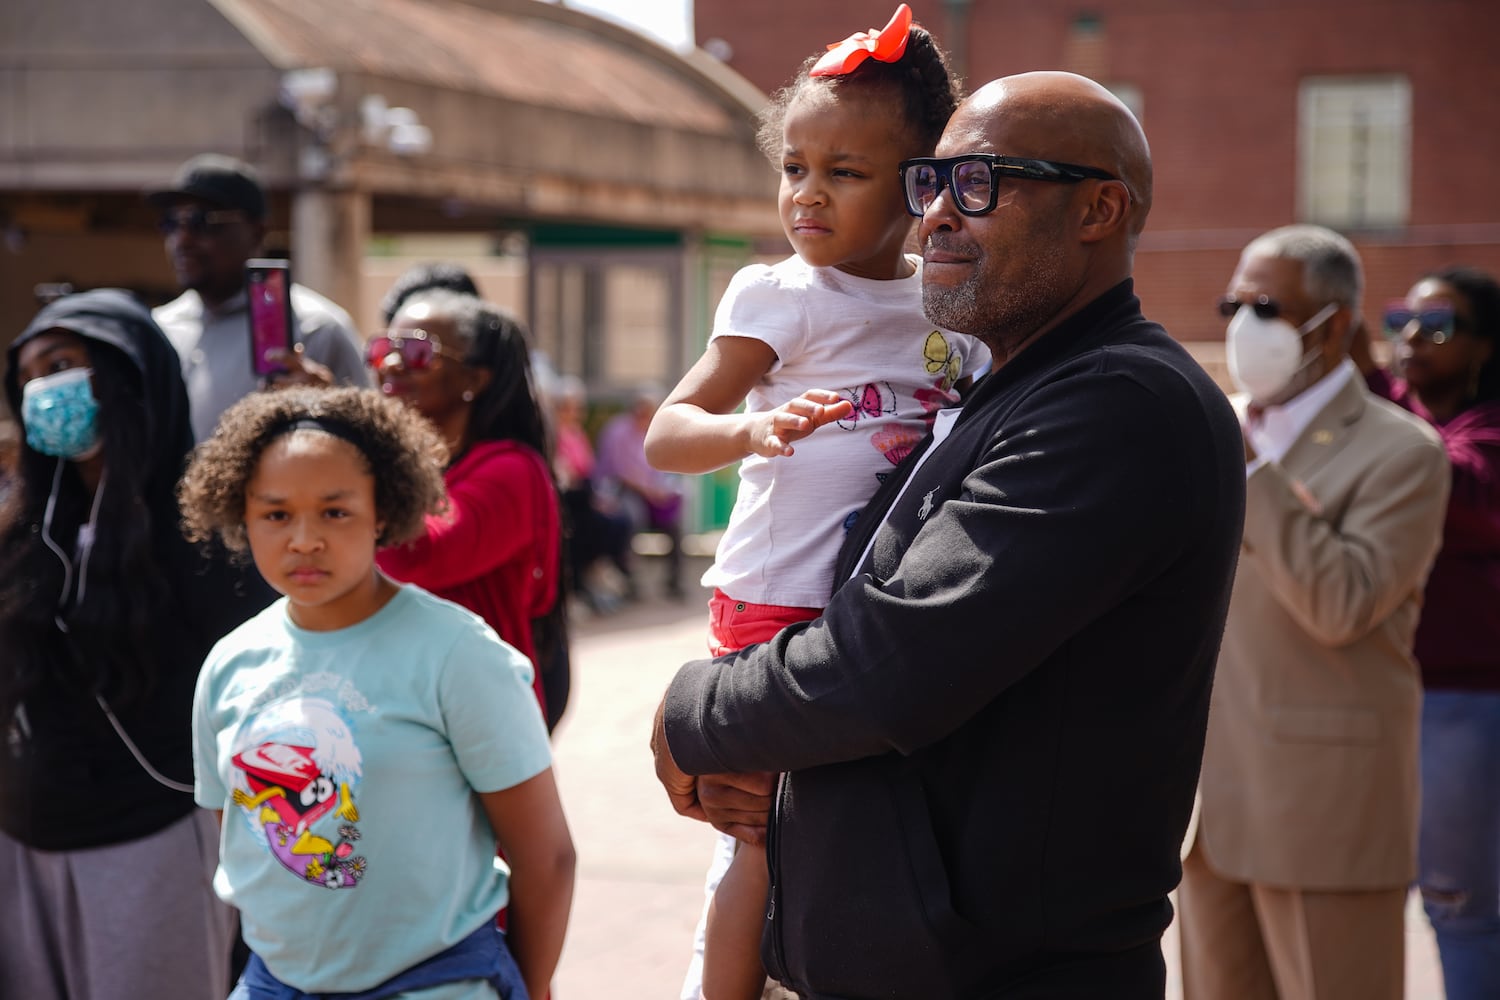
[367,745]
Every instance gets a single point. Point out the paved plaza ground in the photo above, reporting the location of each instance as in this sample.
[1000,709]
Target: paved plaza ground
[640,866]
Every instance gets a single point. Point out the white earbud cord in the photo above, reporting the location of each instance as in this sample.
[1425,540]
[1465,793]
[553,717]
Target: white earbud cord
[57,549]
[135,751]
[85,549]
[85,543]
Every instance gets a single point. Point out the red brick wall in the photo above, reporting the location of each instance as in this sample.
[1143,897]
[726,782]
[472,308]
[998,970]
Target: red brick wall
[1219,82]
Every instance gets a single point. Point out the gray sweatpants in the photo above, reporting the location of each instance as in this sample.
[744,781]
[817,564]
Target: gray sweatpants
[131,921]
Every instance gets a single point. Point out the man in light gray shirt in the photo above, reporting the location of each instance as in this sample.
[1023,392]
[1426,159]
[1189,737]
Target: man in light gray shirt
[213,218]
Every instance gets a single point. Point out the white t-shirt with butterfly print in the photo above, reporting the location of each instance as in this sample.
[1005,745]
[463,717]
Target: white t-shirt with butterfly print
[867,340]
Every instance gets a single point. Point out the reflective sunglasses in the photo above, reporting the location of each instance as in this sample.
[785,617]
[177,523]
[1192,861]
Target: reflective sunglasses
[1435,324]
[199,221]
[972,176]
[416,348]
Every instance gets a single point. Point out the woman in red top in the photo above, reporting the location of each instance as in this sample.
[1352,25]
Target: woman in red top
[464,365]
[1446,336]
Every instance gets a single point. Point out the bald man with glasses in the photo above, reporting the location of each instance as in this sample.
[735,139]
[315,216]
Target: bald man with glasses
[989,741]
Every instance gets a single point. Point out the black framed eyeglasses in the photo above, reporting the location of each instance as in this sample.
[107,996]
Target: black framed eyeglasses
[199,221]
[972,178]
[1263,305]
[1435,324]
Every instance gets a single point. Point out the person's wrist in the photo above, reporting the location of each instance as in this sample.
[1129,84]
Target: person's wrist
[745,434]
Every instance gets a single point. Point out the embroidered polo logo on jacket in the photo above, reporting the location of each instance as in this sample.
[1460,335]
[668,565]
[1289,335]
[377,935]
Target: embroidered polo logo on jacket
[926,507]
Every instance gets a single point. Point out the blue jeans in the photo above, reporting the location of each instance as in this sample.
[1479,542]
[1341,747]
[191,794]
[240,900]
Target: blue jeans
[482,956]
[1459,857]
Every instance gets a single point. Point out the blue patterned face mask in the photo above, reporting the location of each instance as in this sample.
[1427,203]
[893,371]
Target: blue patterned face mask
[61,414]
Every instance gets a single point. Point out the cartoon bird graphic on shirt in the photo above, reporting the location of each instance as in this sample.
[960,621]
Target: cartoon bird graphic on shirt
[297,761]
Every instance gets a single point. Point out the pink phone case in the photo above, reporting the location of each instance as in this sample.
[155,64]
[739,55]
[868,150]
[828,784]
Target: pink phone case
[268,286]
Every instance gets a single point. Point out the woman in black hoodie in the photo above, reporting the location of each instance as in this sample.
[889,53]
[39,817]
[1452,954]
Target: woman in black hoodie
[106,614]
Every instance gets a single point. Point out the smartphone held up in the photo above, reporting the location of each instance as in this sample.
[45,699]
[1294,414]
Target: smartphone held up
[268,285]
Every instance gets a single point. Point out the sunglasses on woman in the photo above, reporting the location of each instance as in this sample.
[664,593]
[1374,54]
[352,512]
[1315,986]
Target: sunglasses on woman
[1435,324]
[416,348]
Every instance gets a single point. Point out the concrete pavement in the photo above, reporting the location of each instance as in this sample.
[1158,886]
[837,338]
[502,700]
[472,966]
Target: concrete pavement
[640,866]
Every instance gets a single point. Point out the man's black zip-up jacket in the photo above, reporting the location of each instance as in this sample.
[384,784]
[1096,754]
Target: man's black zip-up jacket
[992,735]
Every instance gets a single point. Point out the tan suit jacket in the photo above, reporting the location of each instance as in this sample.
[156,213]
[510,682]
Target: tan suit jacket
[1310,769]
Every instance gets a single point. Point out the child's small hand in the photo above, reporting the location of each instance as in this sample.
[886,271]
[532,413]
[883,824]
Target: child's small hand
[772,432]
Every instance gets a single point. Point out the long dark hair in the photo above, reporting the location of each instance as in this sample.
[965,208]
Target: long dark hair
[109,645]
[507,410]
[1483,295]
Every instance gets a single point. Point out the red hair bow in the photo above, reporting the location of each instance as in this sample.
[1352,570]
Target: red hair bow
[886,44]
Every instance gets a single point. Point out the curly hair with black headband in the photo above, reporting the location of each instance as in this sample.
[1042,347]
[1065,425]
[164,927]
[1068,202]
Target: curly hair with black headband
[928,91]
[401,450]
[107,643]
[1482,293]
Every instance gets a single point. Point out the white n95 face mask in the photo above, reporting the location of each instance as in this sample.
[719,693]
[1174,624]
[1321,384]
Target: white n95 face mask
[1266,354]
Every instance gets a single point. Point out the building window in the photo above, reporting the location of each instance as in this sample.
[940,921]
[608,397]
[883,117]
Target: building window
[1354,151]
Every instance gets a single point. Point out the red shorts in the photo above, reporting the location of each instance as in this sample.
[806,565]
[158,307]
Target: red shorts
[735,624]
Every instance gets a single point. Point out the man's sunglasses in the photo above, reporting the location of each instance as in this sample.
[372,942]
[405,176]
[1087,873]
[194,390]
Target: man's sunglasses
[972,178]
[1268,308]
[1263,305]
[199,221]
[1435,324]
[416,348]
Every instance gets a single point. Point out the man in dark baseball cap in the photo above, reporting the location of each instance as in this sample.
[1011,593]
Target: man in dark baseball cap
[213,217]
[218,180]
